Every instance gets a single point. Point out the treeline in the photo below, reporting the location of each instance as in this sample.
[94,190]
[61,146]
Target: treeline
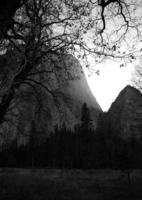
[81,148]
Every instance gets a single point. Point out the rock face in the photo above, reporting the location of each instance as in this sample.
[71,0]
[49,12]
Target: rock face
[72,93]
[125,113]
[78,92]
[70,89]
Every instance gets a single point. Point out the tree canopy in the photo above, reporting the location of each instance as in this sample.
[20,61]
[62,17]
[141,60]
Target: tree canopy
[112,21]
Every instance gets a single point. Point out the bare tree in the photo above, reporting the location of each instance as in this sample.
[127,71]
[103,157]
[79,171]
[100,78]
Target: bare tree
[41,29]
[112,21]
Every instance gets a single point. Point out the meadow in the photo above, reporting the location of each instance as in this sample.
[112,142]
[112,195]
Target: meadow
[55,184]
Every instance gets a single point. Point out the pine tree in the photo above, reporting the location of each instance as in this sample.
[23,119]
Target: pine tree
[86,121]
[86,126]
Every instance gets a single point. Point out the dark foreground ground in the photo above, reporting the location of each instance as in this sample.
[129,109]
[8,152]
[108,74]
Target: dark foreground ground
[45,184]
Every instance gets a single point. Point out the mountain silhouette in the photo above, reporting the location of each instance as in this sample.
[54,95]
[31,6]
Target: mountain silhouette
[125,113]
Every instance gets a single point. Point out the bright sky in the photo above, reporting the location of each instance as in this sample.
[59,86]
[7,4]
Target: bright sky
[110,81]
[113,78]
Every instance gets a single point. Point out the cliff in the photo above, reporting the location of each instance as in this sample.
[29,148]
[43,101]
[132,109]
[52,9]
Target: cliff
[125,113]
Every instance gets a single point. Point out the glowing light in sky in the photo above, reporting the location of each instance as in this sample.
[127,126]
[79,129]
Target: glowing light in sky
[110,81]
[112,78]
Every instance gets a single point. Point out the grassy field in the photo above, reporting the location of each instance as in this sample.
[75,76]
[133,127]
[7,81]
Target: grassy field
[46,184]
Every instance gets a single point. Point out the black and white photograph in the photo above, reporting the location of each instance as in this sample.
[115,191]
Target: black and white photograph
[70,99]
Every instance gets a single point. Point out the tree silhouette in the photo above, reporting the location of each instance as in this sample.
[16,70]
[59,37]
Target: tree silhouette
[86,121]
[85,132]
